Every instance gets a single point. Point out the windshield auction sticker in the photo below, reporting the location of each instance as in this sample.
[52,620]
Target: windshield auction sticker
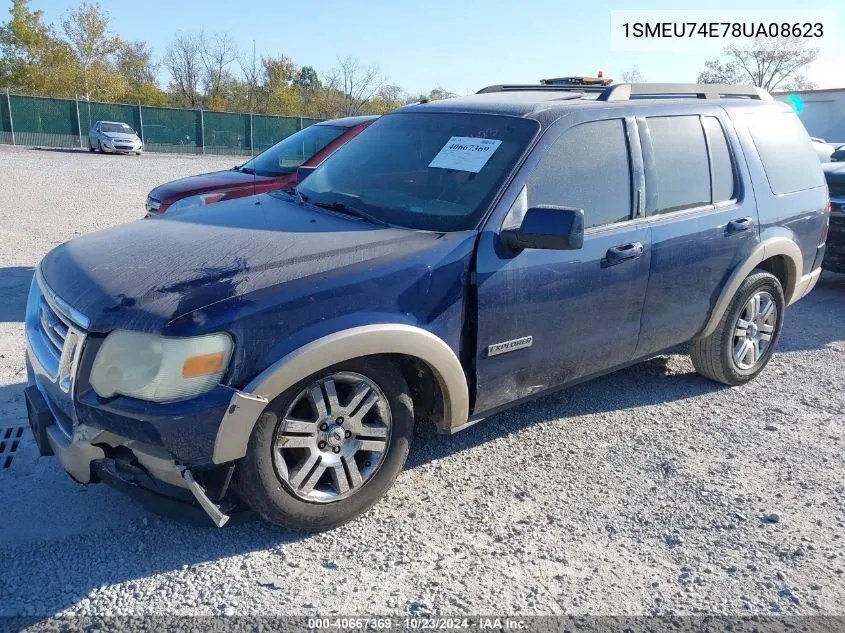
[465,153]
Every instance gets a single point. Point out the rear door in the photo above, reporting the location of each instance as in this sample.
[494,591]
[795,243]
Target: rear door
[548,317]
[703,221]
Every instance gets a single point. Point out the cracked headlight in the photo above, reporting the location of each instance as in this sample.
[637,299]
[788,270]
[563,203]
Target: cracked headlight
[158,368]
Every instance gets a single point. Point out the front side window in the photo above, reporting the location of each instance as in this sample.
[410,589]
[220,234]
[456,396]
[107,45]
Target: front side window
[287,155]
[681,166]
[587,167]
[434,171]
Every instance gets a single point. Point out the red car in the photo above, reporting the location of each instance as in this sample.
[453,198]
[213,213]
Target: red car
[273,169]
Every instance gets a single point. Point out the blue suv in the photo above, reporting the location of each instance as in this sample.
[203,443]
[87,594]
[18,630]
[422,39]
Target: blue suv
[453,260]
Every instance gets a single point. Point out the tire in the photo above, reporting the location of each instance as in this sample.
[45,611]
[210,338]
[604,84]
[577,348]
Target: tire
[90,149]
[100,147]
[715,356]
[268,478]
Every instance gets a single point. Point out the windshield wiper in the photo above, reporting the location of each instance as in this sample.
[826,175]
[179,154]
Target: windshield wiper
[343,208]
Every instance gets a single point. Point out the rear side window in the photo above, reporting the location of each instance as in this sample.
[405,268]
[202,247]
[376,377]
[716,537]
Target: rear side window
[681,165]
[722,171]
[786,152]
[587,168]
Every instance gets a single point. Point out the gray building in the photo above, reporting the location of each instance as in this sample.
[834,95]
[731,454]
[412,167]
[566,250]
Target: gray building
[823,114]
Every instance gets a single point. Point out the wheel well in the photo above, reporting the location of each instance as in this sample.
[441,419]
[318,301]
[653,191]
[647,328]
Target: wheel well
[778,267]
[425,390]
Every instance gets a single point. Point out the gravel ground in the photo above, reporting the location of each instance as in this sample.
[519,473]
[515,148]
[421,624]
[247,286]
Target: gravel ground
[645,492]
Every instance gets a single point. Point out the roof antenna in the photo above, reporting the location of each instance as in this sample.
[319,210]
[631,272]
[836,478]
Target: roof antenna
[252,121]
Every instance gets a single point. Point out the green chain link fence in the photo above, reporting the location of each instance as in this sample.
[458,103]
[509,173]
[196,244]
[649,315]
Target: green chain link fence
[46,122]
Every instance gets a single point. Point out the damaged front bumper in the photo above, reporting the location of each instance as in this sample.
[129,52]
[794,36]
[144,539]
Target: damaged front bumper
[147,473]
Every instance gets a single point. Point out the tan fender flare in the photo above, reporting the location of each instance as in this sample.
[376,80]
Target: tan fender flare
[794,289]
[247,406]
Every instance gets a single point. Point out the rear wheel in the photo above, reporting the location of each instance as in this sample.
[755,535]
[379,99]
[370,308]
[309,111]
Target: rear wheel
[90,148]
[745,338]
[328,449]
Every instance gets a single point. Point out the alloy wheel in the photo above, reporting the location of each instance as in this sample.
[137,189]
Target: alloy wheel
[754,329]
[332,438]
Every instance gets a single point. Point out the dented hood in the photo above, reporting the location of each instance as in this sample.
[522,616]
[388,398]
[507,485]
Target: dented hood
[146,273]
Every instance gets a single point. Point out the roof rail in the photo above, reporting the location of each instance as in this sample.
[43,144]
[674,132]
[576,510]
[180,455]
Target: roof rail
[539,87]
[623,92]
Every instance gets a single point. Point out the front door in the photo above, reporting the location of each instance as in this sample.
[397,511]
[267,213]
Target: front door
[580,308]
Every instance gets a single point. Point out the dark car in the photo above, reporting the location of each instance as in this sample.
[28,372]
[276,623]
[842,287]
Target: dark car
[274,168]
[834,259]
[456,258]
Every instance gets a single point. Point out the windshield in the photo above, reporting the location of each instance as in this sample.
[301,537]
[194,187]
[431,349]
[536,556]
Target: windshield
[285,156]
[120,128]
[434,171]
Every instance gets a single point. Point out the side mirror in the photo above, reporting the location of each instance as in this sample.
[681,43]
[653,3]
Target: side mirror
[548,227]
[302,173]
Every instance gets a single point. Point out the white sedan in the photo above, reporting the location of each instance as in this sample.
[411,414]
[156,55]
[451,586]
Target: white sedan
[114,137]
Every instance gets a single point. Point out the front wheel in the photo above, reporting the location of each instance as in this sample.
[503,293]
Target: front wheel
[328,449]
[745,339]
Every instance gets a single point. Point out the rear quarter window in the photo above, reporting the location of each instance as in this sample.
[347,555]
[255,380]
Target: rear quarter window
[788,157]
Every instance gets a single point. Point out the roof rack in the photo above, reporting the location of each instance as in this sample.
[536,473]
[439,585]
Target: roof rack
[624,92]
[539,87]
[600,80]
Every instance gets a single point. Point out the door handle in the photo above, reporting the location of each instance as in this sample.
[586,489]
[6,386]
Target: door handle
[739,225]
[617,254]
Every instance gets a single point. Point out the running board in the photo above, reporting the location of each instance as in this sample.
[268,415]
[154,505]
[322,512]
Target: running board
[211,509]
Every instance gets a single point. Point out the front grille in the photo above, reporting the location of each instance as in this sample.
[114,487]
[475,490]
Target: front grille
[54,328]
[55,334]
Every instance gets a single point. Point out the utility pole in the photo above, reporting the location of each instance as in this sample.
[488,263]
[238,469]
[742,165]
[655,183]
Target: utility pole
[78,122]
[11,123]
[141,122]
[251,106]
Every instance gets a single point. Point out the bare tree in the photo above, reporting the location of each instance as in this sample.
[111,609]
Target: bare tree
[438,93]
[632,76]
[217,52]
[183,60]
[86,32]
[766,63]
[356,84]
[252,75]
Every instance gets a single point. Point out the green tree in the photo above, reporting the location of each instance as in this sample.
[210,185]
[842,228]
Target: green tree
[134,61]
[86,32]
[32,60]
